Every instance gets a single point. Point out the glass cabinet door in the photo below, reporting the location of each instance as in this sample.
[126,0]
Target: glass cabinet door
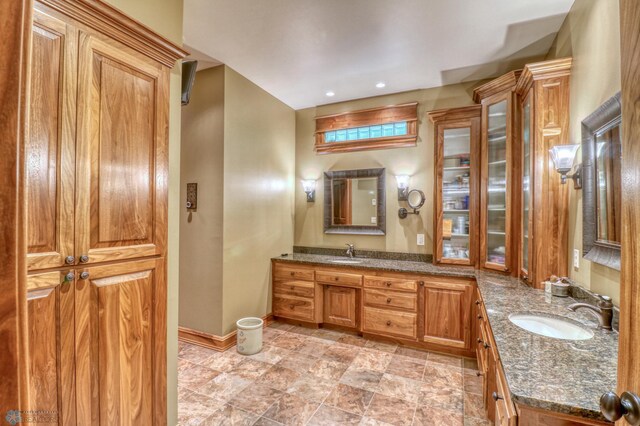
[526,188]
[456,180]
[496,238]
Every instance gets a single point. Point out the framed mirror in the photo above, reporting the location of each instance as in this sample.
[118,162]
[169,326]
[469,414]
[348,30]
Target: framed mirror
[602,189]
[354,202]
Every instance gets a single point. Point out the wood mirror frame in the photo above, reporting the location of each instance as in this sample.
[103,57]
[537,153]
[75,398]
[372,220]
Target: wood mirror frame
[380,228]
[604,253]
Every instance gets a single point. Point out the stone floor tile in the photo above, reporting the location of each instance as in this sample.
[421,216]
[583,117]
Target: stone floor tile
[349,398]
[327,369]
[312,388]
[412,353]
[256,398]
[361,378]
[229,415]
[191,375]
[400,387]
[391,410]
[291,410]
[372,360]
[430,416]
[410,368]
[454,361]
[330,416]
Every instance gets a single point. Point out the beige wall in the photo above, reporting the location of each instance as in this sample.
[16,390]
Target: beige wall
[239,146]
[202,161]
[591,35]
[165,17]
[415,161]
[259,161]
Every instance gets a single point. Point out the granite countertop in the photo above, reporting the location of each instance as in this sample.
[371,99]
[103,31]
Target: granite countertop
[564,376]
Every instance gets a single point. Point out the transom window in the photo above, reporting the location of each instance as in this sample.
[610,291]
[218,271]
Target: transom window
[376,128]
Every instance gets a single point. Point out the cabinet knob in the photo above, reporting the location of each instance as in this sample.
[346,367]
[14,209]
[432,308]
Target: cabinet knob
[627,405]
[336,279]
[388,322]
[421,283]
[84,275]
[479,374]
[388,283]
[486,345]
[388,300]
[84,258]
[69,260]
[480,340]
[70,276]
[293,288]
[292,274]
[292,307]
[495,396]
[477,303]
[479,317]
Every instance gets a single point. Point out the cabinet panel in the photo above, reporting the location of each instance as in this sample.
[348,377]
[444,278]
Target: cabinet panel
[384,321]
[295,288]
[50,320]
[49,148]
[121,149]
[390,283]
[391,299]
[287,272]
[339,278]
[294,307]
[447,313]
[341,306]
[120,344]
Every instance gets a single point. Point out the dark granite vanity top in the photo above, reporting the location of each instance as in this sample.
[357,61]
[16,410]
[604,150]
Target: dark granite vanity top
[565,376]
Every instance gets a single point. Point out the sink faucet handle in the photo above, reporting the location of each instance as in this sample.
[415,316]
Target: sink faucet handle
[605,301]
[349,245]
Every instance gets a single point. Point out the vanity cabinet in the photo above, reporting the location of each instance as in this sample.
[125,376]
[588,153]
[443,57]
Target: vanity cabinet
[499,173]
[457,166]
[96,161]
[543,90]
[425,311]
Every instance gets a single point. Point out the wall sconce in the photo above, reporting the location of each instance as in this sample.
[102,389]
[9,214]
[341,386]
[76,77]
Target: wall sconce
[403,187]
[309,186]
[563,157]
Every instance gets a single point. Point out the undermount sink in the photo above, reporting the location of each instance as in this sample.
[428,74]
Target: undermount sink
[346,261]
[551,326]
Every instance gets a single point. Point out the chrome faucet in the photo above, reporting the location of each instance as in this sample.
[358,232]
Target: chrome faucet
[351,250]
[604,311]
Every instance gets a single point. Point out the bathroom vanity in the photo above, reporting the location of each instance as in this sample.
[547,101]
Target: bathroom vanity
[528,379]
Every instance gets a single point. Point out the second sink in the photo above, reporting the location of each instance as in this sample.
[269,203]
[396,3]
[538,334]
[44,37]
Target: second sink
[553,326]
[346,261]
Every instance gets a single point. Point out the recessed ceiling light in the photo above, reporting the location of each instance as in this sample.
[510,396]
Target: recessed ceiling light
[330,93]
[380,85]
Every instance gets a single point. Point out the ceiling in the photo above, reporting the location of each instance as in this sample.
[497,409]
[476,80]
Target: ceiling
[298,50]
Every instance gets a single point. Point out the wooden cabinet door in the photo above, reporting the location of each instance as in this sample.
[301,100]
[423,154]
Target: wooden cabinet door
[341,306]
[121,344]
[447,313]
[50,139]
[121,176]
[50,320]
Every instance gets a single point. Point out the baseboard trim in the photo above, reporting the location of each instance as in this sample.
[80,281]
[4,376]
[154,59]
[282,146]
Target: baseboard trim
[211,341]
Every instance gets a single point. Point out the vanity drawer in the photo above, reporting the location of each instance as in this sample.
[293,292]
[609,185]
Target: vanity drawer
[344,278]
[391,283]
[505,410]
[391,299]
[293,307]
[293,272]
[294,288]
[390,322]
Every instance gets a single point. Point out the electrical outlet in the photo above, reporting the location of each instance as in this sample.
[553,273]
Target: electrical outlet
[374,219]
[420,241]
[373,201]
[576,258]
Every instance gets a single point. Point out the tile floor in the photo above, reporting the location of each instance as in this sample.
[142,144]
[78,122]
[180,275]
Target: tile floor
[322,377]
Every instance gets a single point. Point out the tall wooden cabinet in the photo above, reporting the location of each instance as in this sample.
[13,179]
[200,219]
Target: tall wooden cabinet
[543,91]
[499,172]
[96,172]
[456,201]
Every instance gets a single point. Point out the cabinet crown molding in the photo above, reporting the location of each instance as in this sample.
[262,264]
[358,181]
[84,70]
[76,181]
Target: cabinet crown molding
[543,70]
[460,113]
[115,24]
[506,81]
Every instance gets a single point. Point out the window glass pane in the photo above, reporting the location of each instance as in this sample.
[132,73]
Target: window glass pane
[341,135]
[400,128]
[352,134]
[330,136]
[363,133]
[367,132]
[375,131]
[387,130]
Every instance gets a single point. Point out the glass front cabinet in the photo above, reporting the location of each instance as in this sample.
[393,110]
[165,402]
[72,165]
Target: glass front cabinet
[456,136]
[543,98]
[499,171]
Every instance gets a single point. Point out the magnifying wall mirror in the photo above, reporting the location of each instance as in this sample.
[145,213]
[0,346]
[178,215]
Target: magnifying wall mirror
[416,200]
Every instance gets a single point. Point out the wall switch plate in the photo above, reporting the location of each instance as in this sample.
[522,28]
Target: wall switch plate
[192,196]
[374,219]
[373,201]
[420,239]
[576,258]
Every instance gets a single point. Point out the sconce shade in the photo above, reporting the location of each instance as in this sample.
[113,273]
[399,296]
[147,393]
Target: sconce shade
[563,156]
[309,185]
[403,181]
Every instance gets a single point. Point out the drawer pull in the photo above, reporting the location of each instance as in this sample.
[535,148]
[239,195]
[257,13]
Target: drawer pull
[389,300]
[486,346]
[479,317]
[293,287]
[388,322]
[336,278]
[477,303]
[480,340]
[421,283]
[292,307]
[292,274]
[479,374]
[388,283]
[495,396]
